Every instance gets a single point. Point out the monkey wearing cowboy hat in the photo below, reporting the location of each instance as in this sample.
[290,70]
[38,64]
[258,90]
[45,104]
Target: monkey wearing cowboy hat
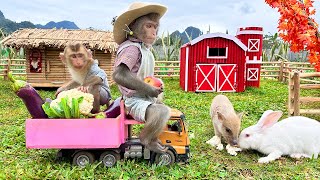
[135,31]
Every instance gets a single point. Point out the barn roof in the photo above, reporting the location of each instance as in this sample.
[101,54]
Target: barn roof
[59,38]
[222,35]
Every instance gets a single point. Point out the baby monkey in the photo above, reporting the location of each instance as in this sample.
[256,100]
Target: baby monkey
[86,75]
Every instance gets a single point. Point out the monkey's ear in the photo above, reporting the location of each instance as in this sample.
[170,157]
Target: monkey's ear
[62,57]
[89,53]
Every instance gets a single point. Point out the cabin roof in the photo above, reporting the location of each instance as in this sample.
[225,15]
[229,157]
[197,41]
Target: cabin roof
[59,38]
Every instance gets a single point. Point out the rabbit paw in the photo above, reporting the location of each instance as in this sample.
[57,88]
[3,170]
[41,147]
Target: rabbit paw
[298,156]
[265,160]
[220,147]
[232,150]
[271,157]
[216,142]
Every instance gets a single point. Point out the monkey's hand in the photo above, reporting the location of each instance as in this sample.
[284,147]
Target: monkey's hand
[152,91]
[124,77]
[84,89]
[59,90]
[70,85]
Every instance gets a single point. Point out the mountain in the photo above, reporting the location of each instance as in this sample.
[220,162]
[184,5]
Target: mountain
[1,15]
[8,26]
[58,25]
[190,31]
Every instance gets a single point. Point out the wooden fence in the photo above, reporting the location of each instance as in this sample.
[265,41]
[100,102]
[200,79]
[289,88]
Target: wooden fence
[297,82]
[277,69]
[167,69]
[281,69]
[17,66]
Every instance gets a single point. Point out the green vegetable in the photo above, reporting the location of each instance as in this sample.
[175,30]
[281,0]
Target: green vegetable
[48,110]
[58,111]
[65,107]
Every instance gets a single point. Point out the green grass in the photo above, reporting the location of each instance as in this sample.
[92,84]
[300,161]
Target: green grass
[17,162]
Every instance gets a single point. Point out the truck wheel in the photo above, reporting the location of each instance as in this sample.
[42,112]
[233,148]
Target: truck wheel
[109,158]
[83,158]
[165,159]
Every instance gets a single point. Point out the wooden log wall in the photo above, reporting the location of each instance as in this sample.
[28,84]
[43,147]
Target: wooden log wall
[54,73]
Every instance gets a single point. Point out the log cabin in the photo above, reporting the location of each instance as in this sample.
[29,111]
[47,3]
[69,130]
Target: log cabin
[42,48]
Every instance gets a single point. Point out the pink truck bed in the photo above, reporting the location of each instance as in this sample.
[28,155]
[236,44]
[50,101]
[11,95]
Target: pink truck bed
[77,133]
[74,133]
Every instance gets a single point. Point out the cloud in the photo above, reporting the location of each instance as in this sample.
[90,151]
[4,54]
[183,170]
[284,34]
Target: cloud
[246,9]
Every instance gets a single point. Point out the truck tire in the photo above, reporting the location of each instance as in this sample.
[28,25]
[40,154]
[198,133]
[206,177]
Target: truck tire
[109,158]
[83,158]
[165,159]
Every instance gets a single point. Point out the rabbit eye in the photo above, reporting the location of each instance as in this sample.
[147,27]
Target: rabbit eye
[228,130]
[247,135]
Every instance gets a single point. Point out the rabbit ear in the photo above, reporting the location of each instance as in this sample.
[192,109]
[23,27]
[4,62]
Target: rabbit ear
[269,118]
[220,116]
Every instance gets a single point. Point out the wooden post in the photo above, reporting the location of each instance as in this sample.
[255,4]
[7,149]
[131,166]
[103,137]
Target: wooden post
[281,72]
[285,72]
[7,69]
[296,93]
[290,95]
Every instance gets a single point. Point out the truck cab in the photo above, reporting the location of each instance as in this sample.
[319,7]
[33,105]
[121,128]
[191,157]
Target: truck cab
[175,136]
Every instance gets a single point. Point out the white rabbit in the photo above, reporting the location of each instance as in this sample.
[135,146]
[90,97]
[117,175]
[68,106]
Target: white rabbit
[295,136]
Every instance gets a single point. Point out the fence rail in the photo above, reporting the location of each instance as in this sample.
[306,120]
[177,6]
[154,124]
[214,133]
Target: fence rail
[17,66]
[281,69]
[277,69]
[167,69]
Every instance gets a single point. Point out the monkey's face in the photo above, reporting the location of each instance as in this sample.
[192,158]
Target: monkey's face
[78,60]
[150,29]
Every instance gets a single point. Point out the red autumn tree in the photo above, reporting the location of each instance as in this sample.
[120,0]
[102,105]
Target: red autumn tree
[298,27]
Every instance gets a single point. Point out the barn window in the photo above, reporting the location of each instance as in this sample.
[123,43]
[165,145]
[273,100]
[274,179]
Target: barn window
[253,45]
[217,52]
[253,74]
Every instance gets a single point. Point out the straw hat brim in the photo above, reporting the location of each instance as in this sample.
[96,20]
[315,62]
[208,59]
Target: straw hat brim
[127,17]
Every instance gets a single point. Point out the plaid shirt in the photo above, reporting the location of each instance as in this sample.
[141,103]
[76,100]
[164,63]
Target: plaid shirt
[131,57]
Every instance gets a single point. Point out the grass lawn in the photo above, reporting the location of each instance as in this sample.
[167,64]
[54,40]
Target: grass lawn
[17,162]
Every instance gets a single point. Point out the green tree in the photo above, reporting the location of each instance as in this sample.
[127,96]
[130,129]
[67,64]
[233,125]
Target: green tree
[278,48]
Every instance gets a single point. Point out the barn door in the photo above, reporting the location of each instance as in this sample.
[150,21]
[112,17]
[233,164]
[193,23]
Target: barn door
[206,77]
[227,78]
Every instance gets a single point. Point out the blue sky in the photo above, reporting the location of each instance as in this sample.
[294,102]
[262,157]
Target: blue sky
[220,15]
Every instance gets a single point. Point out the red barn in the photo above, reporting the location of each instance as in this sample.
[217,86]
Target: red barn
[219,62]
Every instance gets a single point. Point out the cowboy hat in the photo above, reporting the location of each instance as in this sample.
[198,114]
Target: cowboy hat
[135,10]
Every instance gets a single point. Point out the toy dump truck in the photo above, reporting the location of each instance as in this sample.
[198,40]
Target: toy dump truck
[107,140]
